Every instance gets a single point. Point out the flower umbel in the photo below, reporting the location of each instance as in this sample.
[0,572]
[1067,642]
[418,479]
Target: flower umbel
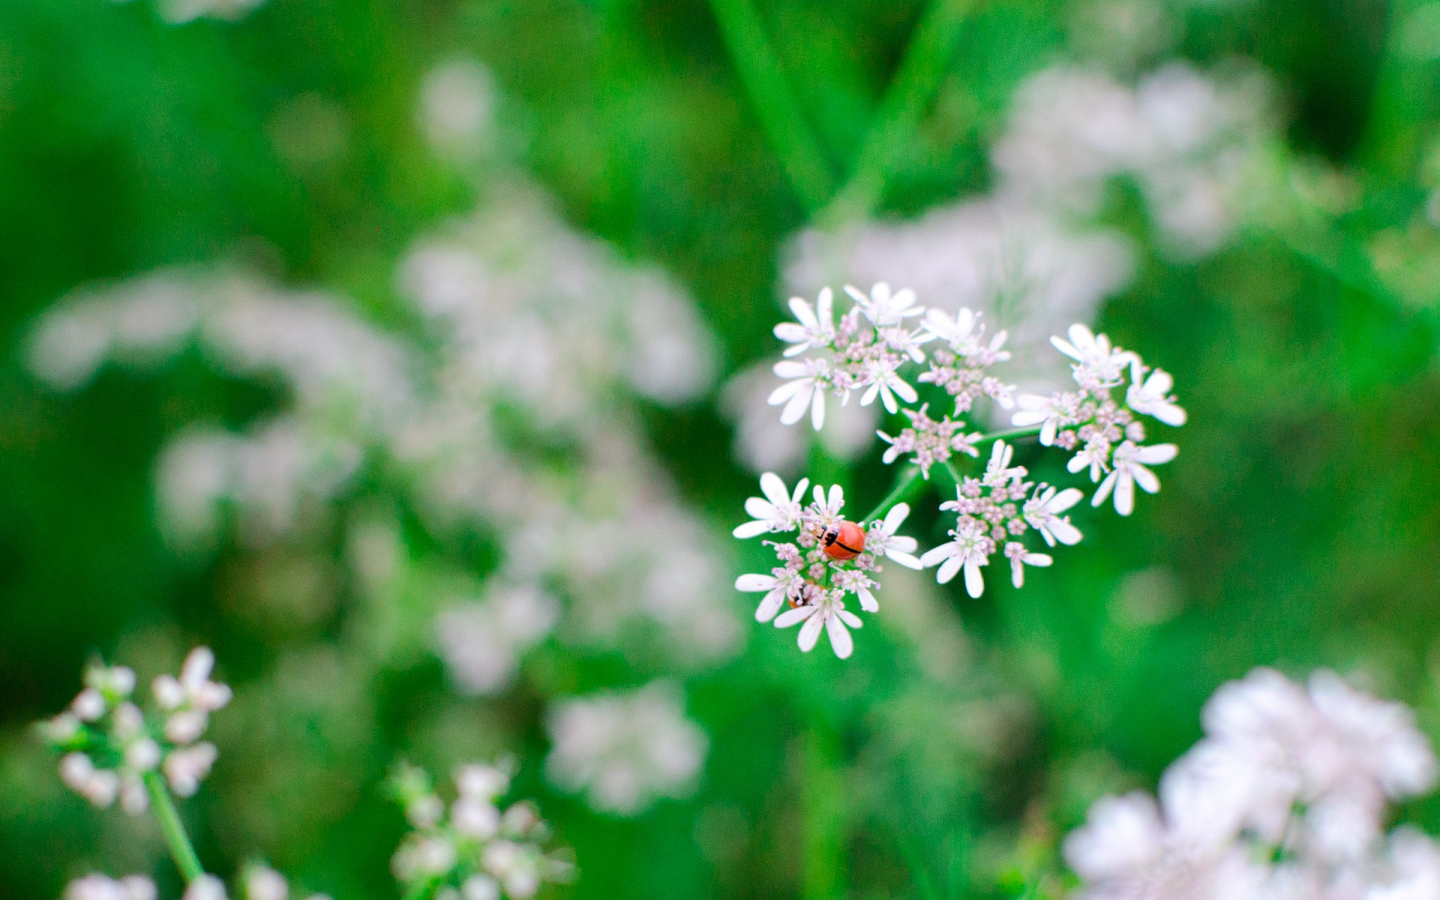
[809,577]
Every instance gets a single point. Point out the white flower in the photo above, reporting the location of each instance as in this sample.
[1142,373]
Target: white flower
[998,471]
[814,328]
[887,383]
[264,883]
[206,887]
[827,612]
[956,332]
[625,750]
[808,381]
[882,537]
[778,510]
[827,508]
[98,887]
[883,308]
[99,786]
[186,768]
[1095,456]
[1042,512]
[777,588]
[1121,835]
[1151,395]
[1020,558]
[1099,364]
[193,689]
[970,549]
[1129,462]
[1042,411]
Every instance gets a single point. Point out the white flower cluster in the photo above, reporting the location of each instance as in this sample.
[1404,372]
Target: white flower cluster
[472,849]
[993,513]
[625,750]
[867,351]
[1285,798]
[111,747]
[536,336]
[811,579]
[1104,434]
[1184,137]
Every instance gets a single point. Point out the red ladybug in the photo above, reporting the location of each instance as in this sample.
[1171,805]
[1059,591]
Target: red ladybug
[843,540]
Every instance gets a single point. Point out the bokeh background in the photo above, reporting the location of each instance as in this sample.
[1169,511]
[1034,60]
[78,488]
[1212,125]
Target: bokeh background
[408,355]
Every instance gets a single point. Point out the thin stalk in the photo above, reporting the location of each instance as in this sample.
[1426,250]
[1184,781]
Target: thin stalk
[764,80]
[911,91]
[181,850]
[902,487]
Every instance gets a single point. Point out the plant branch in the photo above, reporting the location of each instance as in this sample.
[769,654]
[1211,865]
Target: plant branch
[764,80]
[181,850]
[903,486]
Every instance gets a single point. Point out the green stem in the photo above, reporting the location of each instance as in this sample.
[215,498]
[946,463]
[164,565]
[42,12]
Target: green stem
[903,485]
[764,80]
[181,849]
[893,128]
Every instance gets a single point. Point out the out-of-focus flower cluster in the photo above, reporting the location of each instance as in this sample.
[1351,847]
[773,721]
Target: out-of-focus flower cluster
[812,582]
[1285,798]
[1194,143]
[512,421]
[625,749]
[111,746]
[472,849]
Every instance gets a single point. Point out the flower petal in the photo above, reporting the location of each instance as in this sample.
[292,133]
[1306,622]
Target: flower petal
[810,632]
[753,583]
[840,640]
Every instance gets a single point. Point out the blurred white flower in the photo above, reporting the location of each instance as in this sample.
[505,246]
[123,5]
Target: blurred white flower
[625,750]
[1283,799]
[482,642]
[206,887]
[100,887]
[457,108]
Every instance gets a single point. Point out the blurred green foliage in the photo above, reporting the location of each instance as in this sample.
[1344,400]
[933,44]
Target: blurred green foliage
[1298,528]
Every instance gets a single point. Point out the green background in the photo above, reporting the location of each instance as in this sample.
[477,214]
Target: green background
[1298,528]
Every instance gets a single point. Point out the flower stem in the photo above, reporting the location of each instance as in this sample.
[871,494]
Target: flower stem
[181,849]
[902,487]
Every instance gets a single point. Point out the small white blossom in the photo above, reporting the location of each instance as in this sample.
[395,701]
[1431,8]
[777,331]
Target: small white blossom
[805,388]
[1020,558]
[1150,395]
[828,613]
[99,887]
[1130,469]
[1043,510]
[778,510]
[883,537]
[187,767]
[813,329]
[884,308]
[969,548]
[206,887]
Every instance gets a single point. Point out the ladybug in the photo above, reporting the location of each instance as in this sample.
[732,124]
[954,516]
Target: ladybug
[843,540]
